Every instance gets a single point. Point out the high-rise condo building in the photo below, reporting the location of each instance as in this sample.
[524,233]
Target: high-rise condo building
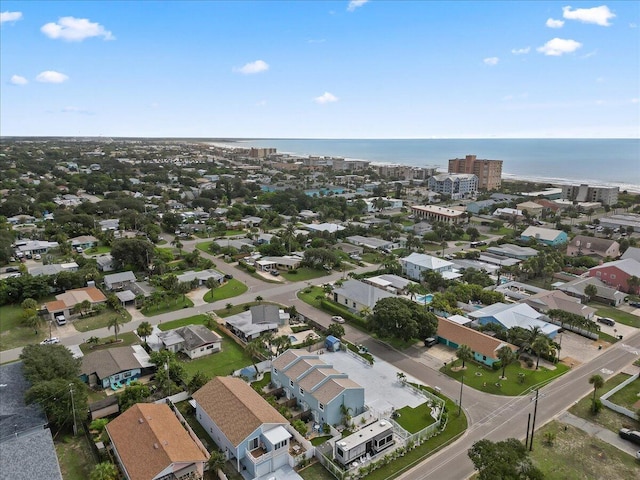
[489,172]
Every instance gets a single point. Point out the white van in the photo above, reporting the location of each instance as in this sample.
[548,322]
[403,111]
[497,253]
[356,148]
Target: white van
[60,320]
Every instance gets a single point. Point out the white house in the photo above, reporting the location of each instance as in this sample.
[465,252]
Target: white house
[416,264]
[194,340]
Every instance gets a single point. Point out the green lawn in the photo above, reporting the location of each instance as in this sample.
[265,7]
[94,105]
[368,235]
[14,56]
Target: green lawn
[235,309]
[304,273]
[372,257]
[124,340]
[415,419]
[204,247]
[315,441]
[309,294]
[628,396]
[13,334]
[75,456]
[98,321]
[575,455]
[194,320]
[231,288]
[315,472]
[170,305]
[485,379]
[618,315]
[606,418]
[98,250]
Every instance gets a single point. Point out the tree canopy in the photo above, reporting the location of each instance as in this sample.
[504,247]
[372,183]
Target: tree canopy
[402,318]
[42,363]
[505,460]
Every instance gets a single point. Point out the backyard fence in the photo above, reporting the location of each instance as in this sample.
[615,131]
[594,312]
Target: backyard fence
[617,408]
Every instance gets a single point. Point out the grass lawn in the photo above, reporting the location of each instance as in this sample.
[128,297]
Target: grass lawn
[628,396]
[231,288]
[415,419]
[75,456]
[485,379]
[124,340]
[98,250]
[309,294]
[575,455]
[315,441]
[98,321]
[182,322]
[315,472]
[235,309]
[372,257]
[606,418]
[170,305]
[13,334]
[618,315]
[204,247]
[303,273]
[432,247]
[605,337]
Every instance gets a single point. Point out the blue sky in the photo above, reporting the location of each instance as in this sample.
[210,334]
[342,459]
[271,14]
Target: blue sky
[324,69]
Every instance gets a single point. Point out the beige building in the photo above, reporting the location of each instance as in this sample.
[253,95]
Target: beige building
[593,247]
[434,213]
[534,209]
[489,172]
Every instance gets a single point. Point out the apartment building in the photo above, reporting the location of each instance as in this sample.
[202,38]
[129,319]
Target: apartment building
[489,172]
[587,193]
[458,185]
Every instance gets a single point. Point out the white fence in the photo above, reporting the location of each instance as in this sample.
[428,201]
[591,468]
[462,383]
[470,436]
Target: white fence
[617,408]
[177,398]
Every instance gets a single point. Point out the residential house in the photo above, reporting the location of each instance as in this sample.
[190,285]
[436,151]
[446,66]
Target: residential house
[27,451]
[119,281]
[109,224]
[286,262]
[533,209]
[617,273]
[593,247]
[113,366]
[250,432]
[357,295]
[548,236]
[366,442]
[481,205]
[64,302]
[33,247]
[194,340]
[376,204]
[84,241]
[514,315]
[201,276]
[105,262]
[373,243]
[349,249]
[511,250]
[558,300]
[323,227]
[457,185]
[257,320]
[317,386]
[484,347]
[53,269]
[605,293]
[389,282]
[416,264]
[631,252]
[150,443]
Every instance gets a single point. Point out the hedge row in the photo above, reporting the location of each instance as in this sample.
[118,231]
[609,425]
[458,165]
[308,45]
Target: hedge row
[333,307]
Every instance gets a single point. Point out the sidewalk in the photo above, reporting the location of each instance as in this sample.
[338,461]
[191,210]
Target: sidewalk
[600,432]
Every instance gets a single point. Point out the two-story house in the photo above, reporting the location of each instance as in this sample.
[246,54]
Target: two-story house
[416,264]
[119,281]
[358,296]
[593,247]
[319,388]
[251,433]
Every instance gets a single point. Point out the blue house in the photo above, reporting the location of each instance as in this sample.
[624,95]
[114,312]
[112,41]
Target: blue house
[548,236]
[317,386]
[115,367]
[515,315]
[332,343]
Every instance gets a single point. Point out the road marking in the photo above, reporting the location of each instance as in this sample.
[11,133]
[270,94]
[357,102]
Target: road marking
[606,371]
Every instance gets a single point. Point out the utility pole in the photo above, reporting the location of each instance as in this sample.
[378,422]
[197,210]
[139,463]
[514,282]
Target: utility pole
[460,401]
[73,409]
[533,426]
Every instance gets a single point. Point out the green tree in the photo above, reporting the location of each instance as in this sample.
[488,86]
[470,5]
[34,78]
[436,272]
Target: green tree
[591,291]
[135,392]
[42,363]
[464,353]
[54,396]
[598,382]
[198,381]
[633,282]
[216,461]
[254,349]
[115,322]
[336,330]
[29,304]
[259,299]
[540,345]
[506,356]
[505,460]
[104,471]
[211,284]
[32,320]
[144,330]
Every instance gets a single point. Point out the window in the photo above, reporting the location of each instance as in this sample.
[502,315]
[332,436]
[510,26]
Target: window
[253,443]
[301,391]
[612,276]
[346,302]
[484,357]
[126,374]
[291,382]
[598,273]
[275,370]
[321,407]
[354,304]
[339,452]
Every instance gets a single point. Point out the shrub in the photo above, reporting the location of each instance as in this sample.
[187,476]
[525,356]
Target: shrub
[251,269]
[530,363]
[293,272]
[596,406]
[496,365]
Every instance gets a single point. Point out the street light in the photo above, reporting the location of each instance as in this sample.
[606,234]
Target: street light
[533,427]
[460,401]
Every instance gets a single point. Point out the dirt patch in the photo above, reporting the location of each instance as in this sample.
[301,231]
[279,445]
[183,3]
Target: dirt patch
[570,362]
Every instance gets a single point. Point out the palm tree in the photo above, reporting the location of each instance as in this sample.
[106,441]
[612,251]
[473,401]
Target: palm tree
[84,306]
[144,330]
[506,356]
[365,312]
[540,345]
[211,284]
[216,461]
[597,381]
[259,299]
[633,282]
[464,353]
[178,244]
[32,321]
[591,291]
[413,289]
[115,322]
[254,349]
[104,471]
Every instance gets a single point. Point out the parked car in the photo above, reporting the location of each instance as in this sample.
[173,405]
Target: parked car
[50,341]
[631,435]
[61,320]
[633,304]
[12,269]
[607,321]
[37,256]
[275,273]
[228,276]
[337,319]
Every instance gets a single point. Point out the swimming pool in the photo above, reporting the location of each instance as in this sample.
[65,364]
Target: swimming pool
[293,339]
[424,298]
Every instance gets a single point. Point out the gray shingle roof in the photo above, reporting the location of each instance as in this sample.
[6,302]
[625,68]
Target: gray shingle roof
[28,457]
[15,415]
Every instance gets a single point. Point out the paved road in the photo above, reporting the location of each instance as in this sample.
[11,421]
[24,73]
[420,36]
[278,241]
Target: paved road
[602,433]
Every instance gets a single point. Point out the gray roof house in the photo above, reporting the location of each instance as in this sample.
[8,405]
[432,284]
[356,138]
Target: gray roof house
[194,340]
[109,367]
[357,295]
[105,262]
[201,276]
[26,445]
[513,251]
[415,264]
[53,269]
[119,281]
[576,287]
[631,252]
[251,324]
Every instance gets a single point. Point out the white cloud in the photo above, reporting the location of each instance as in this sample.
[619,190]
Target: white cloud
[521,51]
[598,15]
[559,46]
[253,67]
[600,80]
[552,23]
[50,76]
[18,80]
[491,61]
[353,4]
[10,16]
[75,29]
[261,103]
[635,100]
[326,97]
[633,25]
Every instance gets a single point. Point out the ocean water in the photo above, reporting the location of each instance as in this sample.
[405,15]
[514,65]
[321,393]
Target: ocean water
[592,161]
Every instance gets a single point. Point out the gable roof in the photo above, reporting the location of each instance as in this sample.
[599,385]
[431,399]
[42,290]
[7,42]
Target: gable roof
[629,266]
[631,252]
[29,456]
[127,276]
[236,408]
[515,315]
[363,293]
[548,234]
[426,261]
[557,299]
[148,438]
[577,286]
[197,335]
[477,341]
[105,363]
[593,243]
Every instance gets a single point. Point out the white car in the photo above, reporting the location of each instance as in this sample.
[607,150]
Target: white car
[50,341]
[337,319]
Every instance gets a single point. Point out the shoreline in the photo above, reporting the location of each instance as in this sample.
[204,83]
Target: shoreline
[506,177]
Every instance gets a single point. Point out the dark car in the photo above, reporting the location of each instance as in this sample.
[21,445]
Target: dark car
[228,276]
[275,273]
[607,321]
[631,435]
[633,304]
[12,269]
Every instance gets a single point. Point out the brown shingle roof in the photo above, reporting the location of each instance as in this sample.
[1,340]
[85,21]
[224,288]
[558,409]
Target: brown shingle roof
[285,359]
[109,362]
[55,306]
[235,407]
[478,341]
[316,376]
[149,438]
[301,366]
